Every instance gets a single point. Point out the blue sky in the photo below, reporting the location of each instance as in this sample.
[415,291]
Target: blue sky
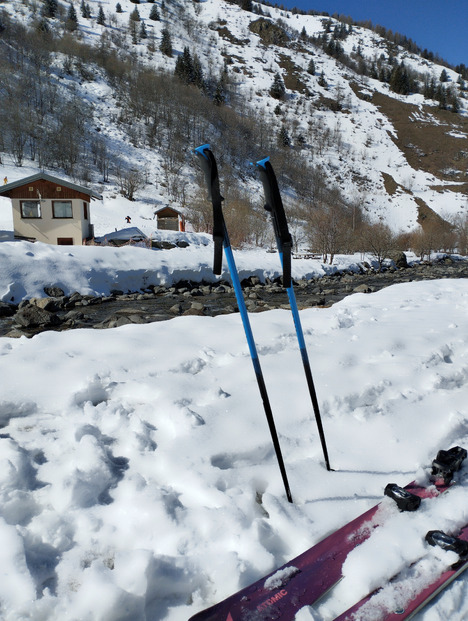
[441,26]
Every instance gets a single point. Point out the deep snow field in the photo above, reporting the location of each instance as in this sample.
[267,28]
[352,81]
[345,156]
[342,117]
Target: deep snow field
[138,479]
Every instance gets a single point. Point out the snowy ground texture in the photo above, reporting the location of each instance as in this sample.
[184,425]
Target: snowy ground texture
[138,480]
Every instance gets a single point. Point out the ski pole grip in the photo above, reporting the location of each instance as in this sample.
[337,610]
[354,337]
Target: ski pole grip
[208,166]
[274,205]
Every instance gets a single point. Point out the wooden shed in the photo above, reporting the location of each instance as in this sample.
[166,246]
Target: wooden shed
[170,219]
[50,210]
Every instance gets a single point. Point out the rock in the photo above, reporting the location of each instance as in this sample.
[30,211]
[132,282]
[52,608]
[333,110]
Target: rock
[193,311]
[32,316]
[315,300]
[119,321]
[73,315]
[7,310]
[176,309]
[220,289]
[48,304]
[137,318]
[15,334]
[162,245]
[399,258]
[198,306]
[363,289]
[54,292]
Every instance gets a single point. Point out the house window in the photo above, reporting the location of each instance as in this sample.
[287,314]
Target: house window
[85,211]
[62,209]
[30,209]
[64,241]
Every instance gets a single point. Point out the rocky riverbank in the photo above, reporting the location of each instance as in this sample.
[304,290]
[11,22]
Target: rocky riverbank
[57,311]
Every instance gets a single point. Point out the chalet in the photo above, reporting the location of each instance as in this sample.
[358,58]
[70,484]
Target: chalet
[169,219]
[50,210]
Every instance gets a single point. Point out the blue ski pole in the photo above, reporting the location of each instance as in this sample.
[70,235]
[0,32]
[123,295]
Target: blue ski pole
[221,239]
[274,205]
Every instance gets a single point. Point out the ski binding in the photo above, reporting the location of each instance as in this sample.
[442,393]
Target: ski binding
[406,501]
[448,462]
[447,542]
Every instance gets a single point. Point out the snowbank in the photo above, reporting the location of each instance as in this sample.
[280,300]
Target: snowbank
[93,270]
[138,479]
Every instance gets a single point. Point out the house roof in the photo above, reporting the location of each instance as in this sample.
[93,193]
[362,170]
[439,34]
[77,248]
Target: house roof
[4,189]
[167,210]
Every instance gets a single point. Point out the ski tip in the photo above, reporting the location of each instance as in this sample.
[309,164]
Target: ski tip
[201,149]
[263,162]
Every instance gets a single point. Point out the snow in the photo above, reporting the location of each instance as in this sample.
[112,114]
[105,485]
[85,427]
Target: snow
[138,479]
[98,270]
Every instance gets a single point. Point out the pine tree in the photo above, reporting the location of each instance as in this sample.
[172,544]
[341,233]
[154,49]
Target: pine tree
[441,96]
[101,18]
[154,13]
[85,10]
[72,20]
[277,90]
[198,77]
[453,100]
[132,26]
[322,81]
[166,43]
[118,8]
[400,81]
[283,137]
[311,67]
[184,67]
[50,8]
[143,33]
[443,76]
[135,15]
[219,97]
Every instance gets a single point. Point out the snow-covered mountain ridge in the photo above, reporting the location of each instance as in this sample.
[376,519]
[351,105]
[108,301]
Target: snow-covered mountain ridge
[393,156]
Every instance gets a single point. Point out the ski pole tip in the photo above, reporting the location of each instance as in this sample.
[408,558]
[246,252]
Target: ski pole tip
[201,149]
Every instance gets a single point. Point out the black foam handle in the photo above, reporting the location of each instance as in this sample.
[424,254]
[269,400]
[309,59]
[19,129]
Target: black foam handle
[209,167]
[274,205]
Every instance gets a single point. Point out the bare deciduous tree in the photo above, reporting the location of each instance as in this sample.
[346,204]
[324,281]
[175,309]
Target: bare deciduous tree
[130,181]
[378,240]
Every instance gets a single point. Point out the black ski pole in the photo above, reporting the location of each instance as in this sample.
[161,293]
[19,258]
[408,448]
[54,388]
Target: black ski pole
[221,239]
[274,205]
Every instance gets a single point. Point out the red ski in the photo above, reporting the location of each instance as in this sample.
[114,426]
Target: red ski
[369,607]
[309,576]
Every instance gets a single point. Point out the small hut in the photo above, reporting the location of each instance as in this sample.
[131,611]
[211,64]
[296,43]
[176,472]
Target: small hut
[169,219]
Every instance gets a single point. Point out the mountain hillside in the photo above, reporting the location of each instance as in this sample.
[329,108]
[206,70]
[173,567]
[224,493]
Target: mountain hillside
[117,94]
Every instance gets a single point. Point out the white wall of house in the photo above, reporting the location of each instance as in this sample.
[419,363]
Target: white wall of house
[52,221]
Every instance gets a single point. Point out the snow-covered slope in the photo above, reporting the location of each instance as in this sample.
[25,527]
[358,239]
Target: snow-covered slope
[357,147]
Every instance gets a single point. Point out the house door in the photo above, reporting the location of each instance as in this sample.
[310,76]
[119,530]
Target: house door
[64,241]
